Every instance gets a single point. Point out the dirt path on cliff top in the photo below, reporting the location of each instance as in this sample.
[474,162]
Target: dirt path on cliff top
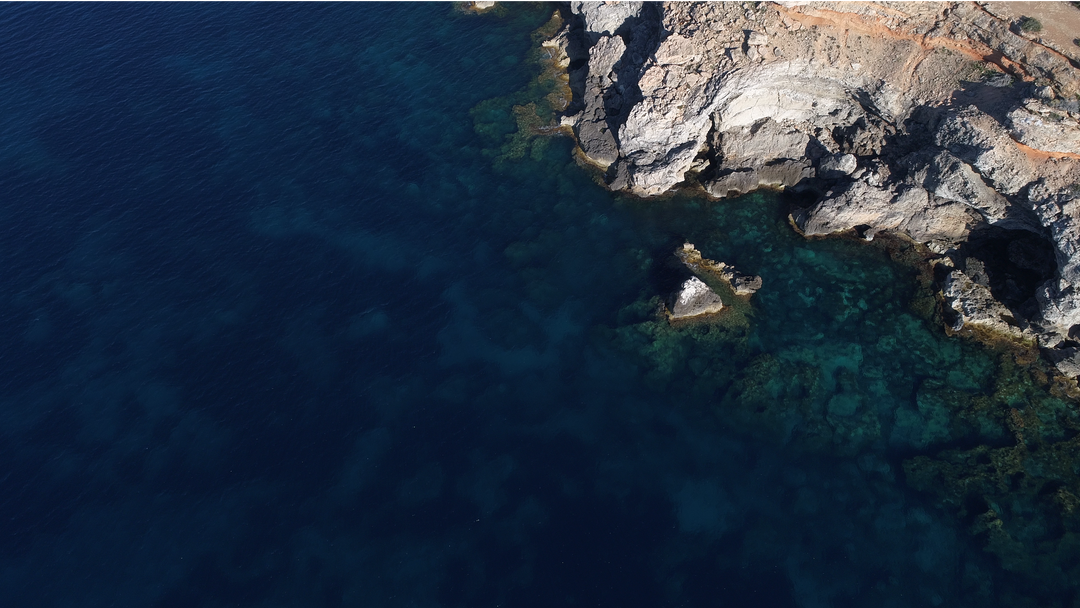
[1060,22]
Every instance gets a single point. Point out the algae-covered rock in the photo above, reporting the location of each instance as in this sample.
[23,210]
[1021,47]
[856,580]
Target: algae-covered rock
[975,306]
[1015,492]
[804,400]
[699,353]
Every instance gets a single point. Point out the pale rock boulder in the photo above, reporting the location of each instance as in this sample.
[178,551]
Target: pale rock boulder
[695,299]
[838,165]
[756,39]
[859,204]
[906,208]
[1043,128]
[605,18]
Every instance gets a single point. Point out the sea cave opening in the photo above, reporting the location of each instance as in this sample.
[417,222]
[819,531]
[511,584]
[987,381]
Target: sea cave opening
[1012,263]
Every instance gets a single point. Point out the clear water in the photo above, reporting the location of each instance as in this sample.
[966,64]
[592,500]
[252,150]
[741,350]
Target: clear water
[285,323]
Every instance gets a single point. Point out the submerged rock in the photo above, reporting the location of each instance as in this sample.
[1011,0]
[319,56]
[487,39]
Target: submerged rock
[694,300]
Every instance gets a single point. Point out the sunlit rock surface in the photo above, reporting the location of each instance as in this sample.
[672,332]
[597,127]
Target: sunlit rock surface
[694,300]
[739,283]
[930,120]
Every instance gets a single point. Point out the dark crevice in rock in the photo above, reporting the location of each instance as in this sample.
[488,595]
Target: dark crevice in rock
[668,276]
[1012,263]
[990,98]
[577,50]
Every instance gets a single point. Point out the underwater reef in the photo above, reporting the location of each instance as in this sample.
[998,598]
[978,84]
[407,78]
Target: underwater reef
[930,338]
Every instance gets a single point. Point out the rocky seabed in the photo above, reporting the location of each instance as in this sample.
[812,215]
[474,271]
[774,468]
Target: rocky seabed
[936,121]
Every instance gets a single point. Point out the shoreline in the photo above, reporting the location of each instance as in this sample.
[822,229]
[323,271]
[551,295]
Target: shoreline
[731,98]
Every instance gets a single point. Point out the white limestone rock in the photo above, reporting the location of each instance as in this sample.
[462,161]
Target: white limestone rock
[605,18]
[694,300]
[951,179]
[979,140]
[838,165]
[906,208]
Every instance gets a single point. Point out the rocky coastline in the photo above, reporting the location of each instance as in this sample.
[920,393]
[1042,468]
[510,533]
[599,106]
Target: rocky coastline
[945,123]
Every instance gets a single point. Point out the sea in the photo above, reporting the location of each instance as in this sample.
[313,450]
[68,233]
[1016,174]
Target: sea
[300,308]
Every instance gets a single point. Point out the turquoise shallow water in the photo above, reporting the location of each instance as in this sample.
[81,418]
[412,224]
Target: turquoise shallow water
[284,325]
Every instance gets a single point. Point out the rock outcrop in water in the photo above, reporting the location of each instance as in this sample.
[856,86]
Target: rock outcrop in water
[739,283]
[695,299]
[938,121]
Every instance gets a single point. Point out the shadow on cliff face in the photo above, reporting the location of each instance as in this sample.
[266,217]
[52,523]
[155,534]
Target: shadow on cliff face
[577,50]
[641,34]
[995,94]
[1012,263]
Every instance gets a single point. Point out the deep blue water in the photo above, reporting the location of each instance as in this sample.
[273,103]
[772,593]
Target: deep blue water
[277,330]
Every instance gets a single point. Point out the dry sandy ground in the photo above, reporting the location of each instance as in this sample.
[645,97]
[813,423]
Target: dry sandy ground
[1060,22]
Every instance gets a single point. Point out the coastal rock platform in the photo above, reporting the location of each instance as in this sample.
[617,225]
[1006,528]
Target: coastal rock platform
[944,122]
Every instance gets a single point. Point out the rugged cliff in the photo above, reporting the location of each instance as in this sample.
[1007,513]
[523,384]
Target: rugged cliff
[945,122]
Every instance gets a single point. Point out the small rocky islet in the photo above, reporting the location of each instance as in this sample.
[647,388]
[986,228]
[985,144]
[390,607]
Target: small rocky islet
[697,298]
[948,130]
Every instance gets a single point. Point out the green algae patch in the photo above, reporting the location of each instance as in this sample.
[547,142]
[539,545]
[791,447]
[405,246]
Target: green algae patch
[1015,488]
[519,125]
[1016,491]
[696,354]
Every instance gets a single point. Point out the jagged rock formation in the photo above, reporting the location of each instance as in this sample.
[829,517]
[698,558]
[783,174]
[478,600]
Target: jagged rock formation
[938,121]
[974,305]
